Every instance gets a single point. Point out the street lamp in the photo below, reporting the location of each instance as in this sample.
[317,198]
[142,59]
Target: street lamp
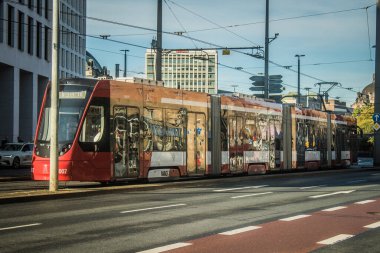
[125,61]
[299,81]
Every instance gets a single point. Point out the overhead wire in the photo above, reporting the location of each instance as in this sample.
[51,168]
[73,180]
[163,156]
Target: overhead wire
[212,22]
[178,21]
[202,41]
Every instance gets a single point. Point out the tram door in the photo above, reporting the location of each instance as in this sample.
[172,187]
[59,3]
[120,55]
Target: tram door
[196,143]
[126,139]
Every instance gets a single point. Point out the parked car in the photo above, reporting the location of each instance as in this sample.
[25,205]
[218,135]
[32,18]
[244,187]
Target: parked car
[16,154]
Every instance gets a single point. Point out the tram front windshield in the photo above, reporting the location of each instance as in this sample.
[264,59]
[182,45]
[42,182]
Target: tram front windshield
[72,102]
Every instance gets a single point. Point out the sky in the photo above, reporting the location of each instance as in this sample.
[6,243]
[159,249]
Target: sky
[336,37]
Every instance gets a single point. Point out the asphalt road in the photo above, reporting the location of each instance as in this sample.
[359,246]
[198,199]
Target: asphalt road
[192,214]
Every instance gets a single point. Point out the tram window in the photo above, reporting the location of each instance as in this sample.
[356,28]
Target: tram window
[153,129]
[93,126]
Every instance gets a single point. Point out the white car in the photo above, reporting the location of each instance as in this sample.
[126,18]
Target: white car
[16,154]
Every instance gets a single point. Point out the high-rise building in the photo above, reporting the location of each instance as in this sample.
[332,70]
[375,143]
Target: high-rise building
[194,70]
[25,58]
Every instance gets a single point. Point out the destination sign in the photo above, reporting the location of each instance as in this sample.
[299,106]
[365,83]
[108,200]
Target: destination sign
[72,94]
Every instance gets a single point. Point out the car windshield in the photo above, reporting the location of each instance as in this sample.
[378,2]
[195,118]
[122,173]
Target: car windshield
[12,147]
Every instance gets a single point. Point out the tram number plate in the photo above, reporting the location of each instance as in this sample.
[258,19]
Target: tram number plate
[62,171]
[164,173]
[159,173]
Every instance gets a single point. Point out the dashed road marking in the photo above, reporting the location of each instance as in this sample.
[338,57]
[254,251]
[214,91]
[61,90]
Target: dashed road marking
[240,230]
[295,217]
[335,239]
[332,209]
[356,181]
[376,174]
[152,208]
[166,248]
[330,194]
[21,226]
[311,187]
[365,202]
[251,195]
[240,188]
[373,225]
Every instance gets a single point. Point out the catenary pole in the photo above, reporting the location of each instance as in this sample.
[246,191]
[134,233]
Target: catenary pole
[159,41]
[376,153]
[53,183]
[266,60]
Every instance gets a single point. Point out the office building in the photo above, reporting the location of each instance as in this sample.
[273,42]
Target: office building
[25,58]
[193,70]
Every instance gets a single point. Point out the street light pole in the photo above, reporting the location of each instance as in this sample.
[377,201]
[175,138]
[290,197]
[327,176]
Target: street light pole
[125,61]
[307,98]
[53,182]
[159,41]
[376,153]
[266,56]
[299,79]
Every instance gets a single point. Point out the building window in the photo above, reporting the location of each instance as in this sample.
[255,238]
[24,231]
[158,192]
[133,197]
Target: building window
[11,28]
[30,35]
[1,21]
[31,4]
[21,31]
[47,9]
[39,7]
[39,40]
[47,43]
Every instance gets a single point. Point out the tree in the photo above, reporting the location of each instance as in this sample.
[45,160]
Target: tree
[363,116]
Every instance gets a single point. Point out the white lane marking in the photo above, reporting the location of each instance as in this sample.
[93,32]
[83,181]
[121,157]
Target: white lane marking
[373,225]
[356,181]
[166,248]
[240,230]
[240,188]
[330,194]
[311,187]
[376,174]
[251,195]
[332,209]
[295,217]
[335,239]
[365,202]
[21,226]
[152,208]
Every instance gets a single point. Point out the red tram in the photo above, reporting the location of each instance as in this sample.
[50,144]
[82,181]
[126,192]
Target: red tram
[110,130]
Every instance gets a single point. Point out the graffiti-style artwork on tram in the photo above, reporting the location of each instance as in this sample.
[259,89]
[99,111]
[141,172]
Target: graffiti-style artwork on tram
[110,130]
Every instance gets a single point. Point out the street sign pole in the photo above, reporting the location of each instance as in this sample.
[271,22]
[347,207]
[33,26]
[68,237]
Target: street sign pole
[376,153]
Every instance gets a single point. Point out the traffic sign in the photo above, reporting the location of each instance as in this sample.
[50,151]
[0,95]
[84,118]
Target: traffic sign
[258,83]
[256,88]
[376,126]
[257,78]
[376,117]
